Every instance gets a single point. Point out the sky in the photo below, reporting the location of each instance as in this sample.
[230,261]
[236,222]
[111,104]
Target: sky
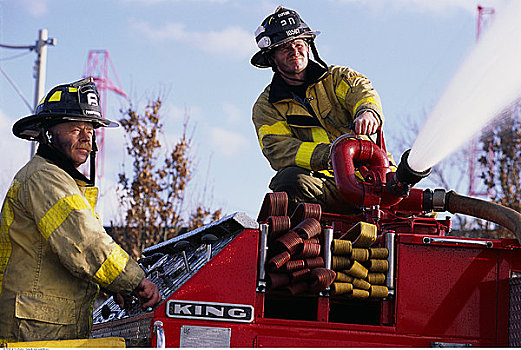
[195,55]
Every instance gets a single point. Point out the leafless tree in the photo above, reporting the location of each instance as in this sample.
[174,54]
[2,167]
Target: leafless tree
[501,157]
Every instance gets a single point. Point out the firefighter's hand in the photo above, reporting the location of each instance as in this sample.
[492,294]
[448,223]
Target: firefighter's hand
[148,294]
[121,301]
[366,123]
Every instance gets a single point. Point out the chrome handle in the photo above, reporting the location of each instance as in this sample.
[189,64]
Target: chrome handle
[390,244]
[160,334]
[428,240]
[263,253]
[328,239]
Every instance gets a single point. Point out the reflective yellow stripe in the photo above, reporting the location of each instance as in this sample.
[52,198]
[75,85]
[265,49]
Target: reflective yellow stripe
[279,128]
[369,99]
[57,96]
[91,194]
[329,173]
[341,92]
[112,267]
[303,157]
[59,212]
[6,220]
[73,89]
[305,151]
[320,135]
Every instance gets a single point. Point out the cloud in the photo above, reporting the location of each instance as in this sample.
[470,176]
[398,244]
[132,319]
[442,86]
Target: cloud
[227,143]
[16,153]
[231,41]
[174,116]
[424,6]
[36,8]
[437,6]
[154,2]
[233,113]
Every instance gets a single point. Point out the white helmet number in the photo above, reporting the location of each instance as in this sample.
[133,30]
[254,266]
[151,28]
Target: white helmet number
[290,20]
[92,99]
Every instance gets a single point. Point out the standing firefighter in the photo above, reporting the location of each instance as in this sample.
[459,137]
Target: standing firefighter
[54,252]
[306,107]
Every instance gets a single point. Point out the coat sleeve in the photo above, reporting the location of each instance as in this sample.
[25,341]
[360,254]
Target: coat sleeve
[356,93]
[281,147]
[74,232]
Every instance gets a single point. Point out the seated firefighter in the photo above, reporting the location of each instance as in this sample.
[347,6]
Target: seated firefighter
[305,108]
[54,251]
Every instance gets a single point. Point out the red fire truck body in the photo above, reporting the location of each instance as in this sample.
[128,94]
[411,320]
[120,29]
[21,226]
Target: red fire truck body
[445,291]
[386,274]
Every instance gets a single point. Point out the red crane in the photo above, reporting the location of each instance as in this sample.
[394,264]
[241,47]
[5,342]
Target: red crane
[485,17]
[98,66]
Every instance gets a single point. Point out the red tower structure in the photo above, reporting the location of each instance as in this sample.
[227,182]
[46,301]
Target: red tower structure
[485,16]
[98,66]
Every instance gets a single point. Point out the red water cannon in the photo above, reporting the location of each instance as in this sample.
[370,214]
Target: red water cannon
[376,183]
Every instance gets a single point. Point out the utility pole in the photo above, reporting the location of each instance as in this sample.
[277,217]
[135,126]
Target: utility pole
[40,70]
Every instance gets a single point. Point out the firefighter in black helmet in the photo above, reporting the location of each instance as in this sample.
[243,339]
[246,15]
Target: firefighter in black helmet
[54,251]
[305,108]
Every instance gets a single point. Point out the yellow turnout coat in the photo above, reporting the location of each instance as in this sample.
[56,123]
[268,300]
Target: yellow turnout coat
[55,253]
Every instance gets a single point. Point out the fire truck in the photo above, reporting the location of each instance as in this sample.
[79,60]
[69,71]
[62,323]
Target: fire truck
[386,275]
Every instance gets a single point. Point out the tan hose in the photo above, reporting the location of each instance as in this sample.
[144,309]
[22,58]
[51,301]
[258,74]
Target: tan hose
[499,214]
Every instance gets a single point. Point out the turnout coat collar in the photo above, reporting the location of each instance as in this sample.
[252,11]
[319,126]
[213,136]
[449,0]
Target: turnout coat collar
[58,159]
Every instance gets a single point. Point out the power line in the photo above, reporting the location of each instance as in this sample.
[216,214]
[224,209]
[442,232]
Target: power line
[40,47]
[15,56]
[18,91]
[30,47]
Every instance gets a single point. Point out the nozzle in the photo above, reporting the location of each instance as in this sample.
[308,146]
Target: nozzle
[405,177]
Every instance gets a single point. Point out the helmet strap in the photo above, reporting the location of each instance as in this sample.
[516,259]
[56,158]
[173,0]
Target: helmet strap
[315,54]
[93,159]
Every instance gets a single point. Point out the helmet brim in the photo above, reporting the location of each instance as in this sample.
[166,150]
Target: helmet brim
[29,127]
[260,59]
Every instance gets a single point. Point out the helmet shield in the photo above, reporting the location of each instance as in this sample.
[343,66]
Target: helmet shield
[277,29]
[78,101]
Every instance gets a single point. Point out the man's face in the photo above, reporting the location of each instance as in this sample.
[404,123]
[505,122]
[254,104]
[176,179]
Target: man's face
[74,139]
[292,57]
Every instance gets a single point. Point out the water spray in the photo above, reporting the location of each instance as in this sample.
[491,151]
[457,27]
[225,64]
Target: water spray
[488,81]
